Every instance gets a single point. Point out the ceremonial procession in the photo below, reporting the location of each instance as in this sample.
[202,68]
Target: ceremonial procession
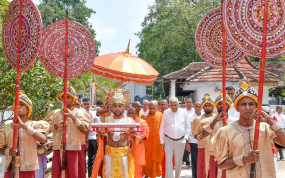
[204,96]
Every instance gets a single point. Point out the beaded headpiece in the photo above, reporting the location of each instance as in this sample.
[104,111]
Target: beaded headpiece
[220,99]
[207,99]
[24,99]
[245,91]
[71,92]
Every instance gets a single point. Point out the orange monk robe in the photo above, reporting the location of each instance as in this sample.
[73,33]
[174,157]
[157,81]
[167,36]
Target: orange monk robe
[164,161]
[141,149]
[153,151]
[139,115]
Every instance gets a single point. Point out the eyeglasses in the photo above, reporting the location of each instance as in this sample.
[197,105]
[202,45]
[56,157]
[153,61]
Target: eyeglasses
[163,104]
[139,106]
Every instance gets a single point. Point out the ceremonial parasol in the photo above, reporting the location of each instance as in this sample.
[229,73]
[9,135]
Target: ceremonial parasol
[67,51]
[258,28]
[214,48]
[21,31]
[124,67]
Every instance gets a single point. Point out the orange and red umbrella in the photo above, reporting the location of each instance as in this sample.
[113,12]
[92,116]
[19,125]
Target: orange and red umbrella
[125,67]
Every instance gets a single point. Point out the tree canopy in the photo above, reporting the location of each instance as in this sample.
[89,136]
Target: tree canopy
[55,10]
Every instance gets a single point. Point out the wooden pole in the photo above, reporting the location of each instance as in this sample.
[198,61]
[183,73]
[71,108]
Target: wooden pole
[65,95]
[261,82]
[224,70]
[16,159]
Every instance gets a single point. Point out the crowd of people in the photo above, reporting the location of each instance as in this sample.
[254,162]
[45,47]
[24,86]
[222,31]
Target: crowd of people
[198,134]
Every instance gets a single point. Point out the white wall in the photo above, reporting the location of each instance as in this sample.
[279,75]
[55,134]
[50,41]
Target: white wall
[136,89]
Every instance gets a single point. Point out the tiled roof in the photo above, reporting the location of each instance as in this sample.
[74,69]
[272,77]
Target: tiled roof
[233,74]
[202,72]
[187,71]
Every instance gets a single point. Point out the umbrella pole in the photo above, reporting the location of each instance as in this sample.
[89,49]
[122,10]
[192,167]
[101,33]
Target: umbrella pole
[224,70]
[65,96]
[261,82]
[16,159]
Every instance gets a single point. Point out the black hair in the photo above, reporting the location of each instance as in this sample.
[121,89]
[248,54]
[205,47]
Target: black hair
[230,88]
[86,99]
[99,102]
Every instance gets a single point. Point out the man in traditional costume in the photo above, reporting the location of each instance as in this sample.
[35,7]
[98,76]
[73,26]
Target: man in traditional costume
[153,150]
[174,132]
[137,105]
[118,160]
[208,105]
[210,127]
[77,124]
[29,132]
[233,143]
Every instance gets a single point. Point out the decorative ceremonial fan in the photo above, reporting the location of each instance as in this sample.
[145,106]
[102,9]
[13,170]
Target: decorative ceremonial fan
[209,42]
[81,49]
[31,34]
[243,21]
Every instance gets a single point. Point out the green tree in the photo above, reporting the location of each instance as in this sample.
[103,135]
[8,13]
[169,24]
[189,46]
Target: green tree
[168,36]
[39,85]
[55,10]
[103,85]
[168,33]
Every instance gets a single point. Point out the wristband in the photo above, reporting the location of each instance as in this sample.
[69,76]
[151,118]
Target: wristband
[77,123]
[7,150]
[208,129]
[238,160]
[30,131]
[275,127]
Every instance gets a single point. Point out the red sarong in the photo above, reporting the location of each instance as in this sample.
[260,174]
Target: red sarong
[71,167]
[81,162]
[224,174]
[201,173]
[213,172]
[22,174]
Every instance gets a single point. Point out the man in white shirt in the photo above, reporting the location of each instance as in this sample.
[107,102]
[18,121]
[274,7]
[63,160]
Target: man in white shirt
[190,110]
[144,106]
[92,136]
[174,131]
[281,121]
[192,144]
[232,111]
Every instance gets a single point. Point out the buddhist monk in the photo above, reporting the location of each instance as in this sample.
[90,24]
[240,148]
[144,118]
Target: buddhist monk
[137,105]
[153,150]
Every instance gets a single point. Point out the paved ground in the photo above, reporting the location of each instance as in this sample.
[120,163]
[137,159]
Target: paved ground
[186,173]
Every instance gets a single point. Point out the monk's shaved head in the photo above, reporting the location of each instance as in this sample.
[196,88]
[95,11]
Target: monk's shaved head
[132,113]
[137,105]
[152,107]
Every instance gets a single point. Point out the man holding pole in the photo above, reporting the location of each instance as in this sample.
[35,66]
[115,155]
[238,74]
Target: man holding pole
[77,122]
[29,132]
[208,105]
[233,143]
[210,127]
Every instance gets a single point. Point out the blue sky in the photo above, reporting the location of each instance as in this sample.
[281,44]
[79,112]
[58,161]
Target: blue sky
[116,21]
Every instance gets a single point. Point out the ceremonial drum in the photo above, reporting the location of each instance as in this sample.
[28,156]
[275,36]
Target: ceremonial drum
[45,149]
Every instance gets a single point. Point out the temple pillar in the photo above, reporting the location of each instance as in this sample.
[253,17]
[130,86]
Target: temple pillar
[172,88]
